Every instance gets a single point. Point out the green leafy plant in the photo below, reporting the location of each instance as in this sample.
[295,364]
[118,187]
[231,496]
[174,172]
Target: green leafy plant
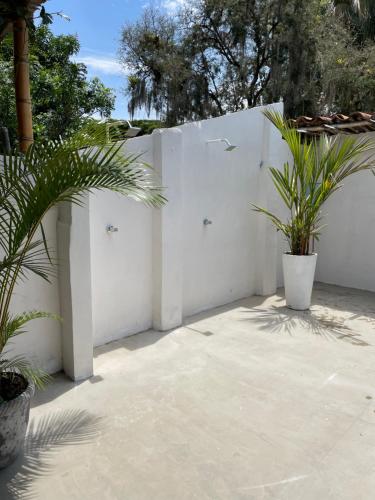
[63,97]
[319,167]
[30,11]
[30,185]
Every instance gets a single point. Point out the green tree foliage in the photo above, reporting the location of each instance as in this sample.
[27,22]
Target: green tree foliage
[164,77]
[211,59]
[348,69]
[360,15]
[296,67]
[147,126]
[13,9]
[62,95]
[218,56]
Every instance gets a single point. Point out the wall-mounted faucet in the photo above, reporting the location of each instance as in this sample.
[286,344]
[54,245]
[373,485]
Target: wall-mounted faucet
[207,222]
[111,229]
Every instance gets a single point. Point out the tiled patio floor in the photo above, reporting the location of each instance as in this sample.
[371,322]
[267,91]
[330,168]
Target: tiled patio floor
[247,401]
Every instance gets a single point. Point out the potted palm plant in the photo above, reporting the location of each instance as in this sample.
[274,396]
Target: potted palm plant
[30,185]
[319,167]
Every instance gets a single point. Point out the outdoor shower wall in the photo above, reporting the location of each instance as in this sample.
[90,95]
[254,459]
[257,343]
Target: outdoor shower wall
[121,261]
[220,259]
[347,246]
[42,342]
[162,264]
[165,264]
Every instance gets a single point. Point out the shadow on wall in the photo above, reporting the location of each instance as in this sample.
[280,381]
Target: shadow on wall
[45,438]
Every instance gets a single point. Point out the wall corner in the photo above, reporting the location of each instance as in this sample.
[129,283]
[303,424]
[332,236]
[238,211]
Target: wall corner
[167,232]
[73,237]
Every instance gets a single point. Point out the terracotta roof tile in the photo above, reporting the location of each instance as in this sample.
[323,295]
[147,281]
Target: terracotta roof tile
[356,122]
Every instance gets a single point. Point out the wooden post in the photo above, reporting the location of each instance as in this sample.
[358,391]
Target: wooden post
[22,83]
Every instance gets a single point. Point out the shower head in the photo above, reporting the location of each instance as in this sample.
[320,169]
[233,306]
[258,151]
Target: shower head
[230,147]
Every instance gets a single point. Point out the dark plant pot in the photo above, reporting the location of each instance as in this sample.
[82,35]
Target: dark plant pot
[14,417]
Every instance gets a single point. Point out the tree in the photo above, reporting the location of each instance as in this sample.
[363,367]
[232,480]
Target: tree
[295,71]
[233,39]
[347,66]
[163,76]
[360,14]
[211,59]
[219,56]
[62,95]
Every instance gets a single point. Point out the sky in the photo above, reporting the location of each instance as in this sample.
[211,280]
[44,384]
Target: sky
[98,25]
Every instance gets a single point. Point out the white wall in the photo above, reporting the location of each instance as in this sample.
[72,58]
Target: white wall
[161,265]
[121,262]
[219,260]
[346,249]
[42,341]
[164,265]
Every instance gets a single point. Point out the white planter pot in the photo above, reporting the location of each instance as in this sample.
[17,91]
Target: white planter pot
[299,271]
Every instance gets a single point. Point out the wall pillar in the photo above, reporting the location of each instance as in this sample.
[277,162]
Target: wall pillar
[73,237]
[167,232]
[266,248]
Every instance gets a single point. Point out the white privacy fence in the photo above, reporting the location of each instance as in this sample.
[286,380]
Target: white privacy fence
[201,249]
[204,248]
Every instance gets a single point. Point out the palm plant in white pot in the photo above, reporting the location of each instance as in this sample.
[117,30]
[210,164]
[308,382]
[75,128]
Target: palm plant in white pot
[30,185]
[319,167]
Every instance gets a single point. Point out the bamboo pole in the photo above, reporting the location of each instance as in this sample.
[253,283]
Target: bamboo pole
[22,83]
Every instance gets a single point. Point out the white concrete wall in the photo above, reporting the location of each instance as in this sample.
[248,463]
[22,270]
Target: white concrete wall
[164,265]
[161,265]
[346,250]
[220,260]
[121,262]
[42,341]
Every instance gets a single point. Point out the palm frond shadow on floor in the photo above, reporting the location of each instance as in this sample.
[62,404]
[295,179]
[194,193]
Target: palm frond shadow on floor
[44,439]
[281,319]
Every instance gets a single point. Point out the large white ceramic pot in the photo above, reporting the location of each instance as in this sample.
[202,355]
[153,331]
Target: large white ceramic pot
[299,271]
[14,417]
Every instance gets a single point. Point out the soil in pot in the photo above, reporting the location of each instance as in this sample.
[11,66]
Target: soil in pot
[12,385]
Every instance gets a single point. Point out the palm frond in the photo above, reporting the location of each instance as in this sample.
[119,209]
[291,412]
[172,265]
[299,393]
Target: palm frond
[19,364]
[319,168]
[49,173]
[13,324]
